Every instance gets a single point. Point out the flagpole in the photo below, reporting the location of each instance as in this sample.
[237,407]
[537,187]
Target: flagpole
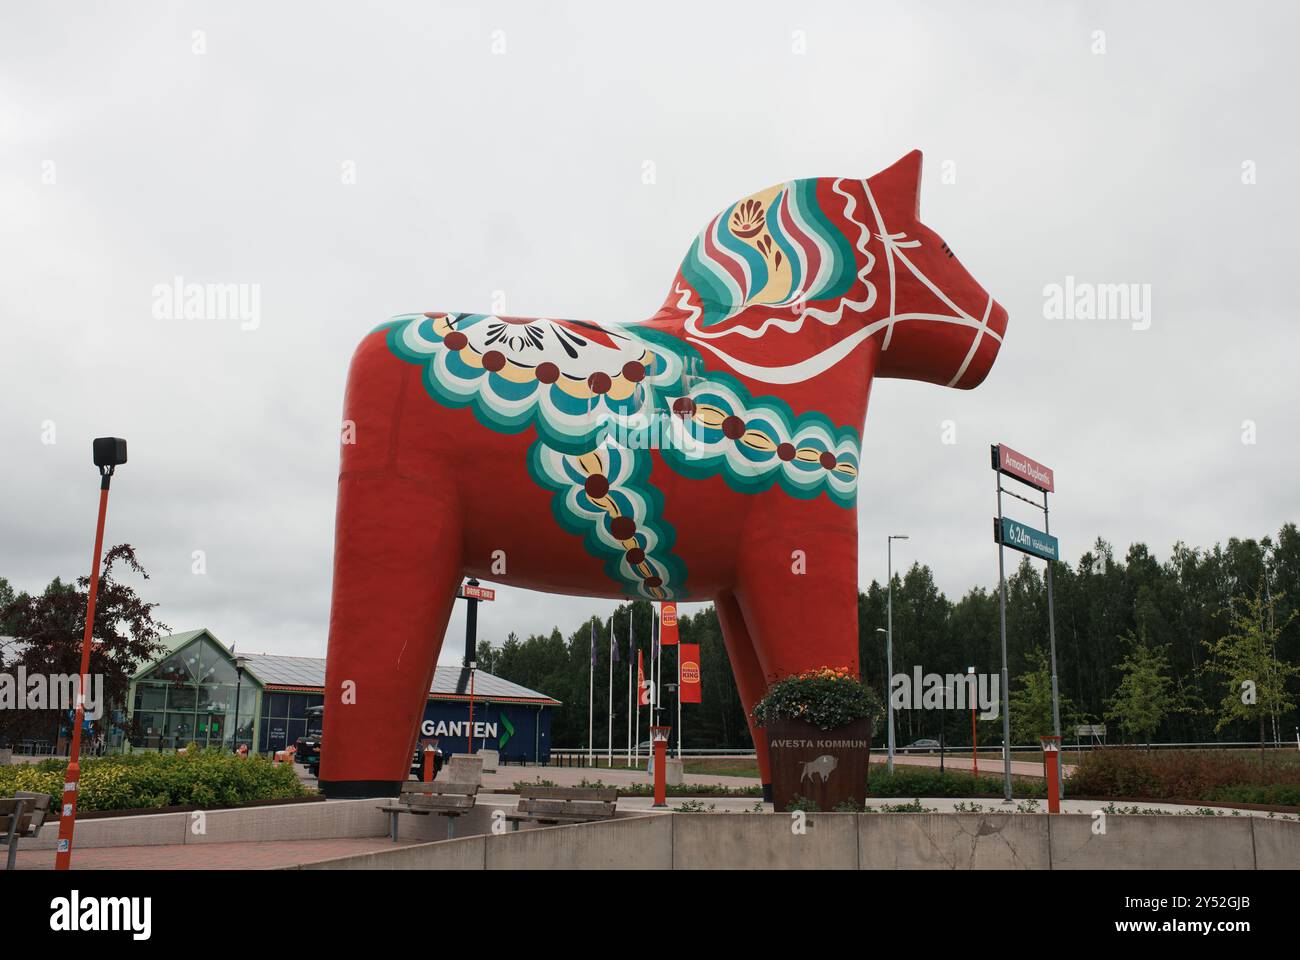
[630,658]
[659,670]
[679,698]
[591,680]
[609,741]
[654,682]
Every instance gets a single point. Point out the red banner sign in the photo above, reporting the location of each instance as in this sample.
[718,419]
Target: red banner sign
[691,691]
[644,691]
[478,593]
[668,623]
[1013,464]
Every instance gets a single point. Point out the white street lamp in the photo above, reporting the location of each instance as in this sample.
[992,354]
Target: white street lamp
[889,641]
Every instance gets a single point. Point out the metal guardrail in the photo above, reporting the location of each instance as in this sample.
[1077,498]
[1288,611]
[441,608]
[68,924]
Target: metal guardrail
[577,757]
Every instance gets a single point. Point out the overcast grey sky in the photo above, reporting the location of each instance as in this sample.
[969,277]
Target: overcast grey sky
[500,147]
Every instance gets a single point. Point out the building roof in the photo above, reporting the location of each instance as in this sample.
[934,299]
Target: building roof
[307,675]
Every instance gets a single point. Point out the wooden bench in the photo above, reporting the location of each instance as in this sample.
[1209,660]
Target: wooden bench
[21,816]
[554,805]
[447,799]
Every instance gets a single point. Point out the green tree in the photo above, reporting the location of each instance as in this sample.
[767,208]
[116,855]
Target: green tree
[1254,678]
[49,628]
[1031,703]
[1146,694]
[486,656]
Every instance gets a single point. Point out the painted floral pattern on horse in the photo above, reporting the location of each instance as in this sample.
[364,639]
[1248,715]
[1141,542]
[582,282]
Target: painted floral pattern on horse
[776,247]
[595,393]
[604,497]
[565,377]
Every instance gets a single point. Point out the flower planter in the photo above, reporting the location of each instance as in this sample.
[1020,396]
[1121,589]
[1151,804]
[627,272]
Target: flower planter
[826,767]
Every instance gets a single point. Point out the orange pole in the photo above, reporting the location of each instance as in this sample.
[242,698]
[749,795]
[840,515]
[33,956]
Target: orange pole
[428,763]
[1052,761]
[68,818]
[974,744]
[661,779]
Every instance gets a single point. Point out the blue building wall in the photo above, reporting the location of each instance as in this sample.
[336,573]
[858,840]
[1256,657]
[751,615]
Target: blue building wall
[515,729]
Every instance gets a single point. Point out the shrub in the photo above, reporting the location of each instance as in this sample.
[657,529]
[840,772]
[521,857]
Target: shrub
[203,778]
[1185,776]
[827,698]
[928,782]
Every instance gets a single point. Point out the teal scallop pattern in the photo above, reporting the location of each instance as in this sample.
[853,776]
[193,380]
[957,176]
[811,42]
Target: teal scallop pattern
[567,427]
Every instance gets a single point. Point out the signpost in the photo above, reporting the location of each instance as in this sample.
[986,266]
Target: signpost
[1037,543]
[472,593]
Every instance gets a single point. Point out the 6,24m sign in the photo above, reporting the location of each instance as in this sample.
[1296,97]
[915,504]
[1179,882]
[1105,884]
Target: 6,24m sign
[1012,533]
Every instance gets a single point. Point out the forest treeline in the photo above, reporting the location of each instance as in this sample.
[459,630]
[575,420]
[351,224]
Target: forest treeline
[1153,648]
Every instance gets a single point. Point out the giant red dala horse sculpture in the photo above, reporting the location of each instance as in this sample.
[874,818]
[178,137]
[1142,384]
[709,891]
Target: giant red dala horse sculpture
[712,452]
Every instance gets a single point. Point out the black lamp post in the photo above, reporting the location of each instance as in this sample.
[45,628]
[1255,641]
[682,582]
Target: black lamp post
[240,663]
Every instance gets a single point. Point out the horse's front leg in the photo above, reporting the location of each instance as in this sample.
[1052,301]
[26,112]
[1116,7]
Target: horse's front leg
[749,676]
[797,587]
[398,561]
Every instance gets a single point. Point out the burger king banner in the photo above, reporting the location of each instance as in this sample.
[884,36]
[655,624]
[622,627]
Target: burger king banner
[668,624]
[691,691]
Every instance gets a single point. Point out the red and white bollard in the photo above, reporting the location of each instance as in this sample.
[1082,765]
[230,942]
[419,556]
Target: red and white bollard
[659,736]
[428,763]
[1052,761]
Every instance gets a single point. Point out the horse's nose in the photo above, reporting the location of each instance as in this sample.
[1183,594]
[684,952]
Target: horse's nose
[998,318]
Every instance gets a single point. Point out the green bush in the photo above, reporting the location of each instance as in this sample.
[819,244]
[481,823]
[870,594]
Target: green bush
[1185,776]
[203,778]
[827,698]
[1273,794]
[928,782]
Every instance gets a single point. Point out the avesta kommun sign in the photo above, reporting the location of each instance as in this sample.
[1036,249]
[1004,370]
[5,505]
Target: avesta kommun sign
[1011,533]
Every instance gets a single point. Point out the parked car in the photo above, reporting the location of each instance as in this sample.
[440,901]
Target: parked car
[308,749]
[309,753]
[923,746]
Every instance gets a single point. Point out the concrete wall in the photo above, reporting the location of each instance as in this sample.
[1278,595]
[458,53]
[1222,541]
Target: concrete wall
[746,841]
[345,818]
[953,841]
[306,821]
[887,841]
[1155,843]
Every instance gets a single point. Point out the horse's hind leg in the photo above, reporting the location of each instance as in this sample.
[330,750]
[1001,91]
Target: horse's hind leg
[748,674]
[397,567]
[799,595]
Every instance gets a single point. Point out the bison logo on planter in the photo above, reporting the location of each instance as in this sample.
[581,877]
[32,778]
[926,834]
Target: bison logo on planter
[522,450]
[823,766]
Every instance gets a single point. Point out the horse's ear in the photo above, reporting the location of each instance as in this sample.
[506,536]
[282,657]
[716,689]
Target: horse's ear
[904,178]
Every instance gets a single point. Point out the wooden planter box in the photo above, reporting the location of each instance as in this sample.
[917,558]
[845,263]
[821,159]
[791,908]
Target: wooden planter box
[828,767]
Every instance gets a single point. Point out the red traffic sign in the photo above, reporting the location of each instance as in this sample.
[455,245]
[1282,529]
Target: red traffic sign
[470,592]
[1013,464]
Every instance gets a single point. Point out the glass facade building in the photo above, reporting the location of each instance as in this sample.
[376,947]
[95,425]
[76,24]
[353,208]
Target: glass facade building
[189,696]
[198,692]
